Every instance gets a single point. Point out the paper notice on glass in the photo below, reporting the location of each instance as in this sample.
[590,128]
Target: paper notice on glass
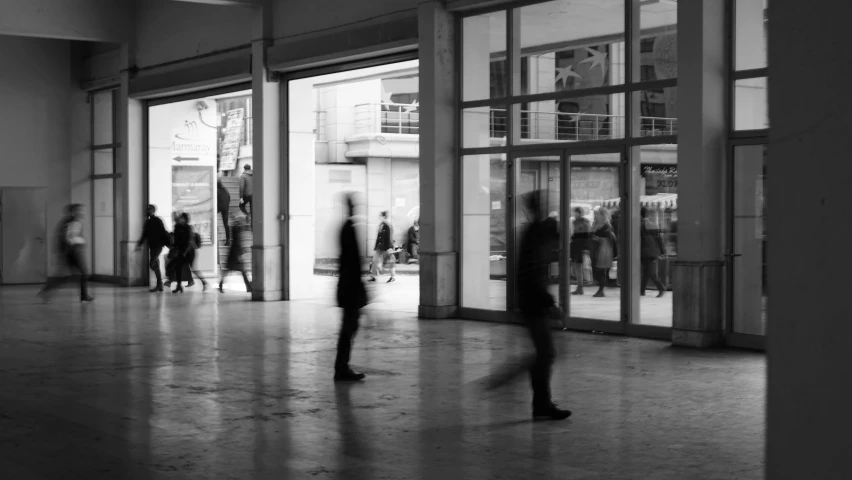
[496,205]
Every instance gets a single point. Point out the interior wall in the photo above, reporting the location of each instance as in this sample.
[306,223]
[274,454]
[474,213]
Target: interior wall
[297,17]
[167,30]
[37,96]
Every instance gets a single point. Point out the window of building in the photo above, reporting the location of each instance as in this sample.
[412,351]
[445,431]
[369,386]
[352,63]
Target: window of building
[104,175]
[558,79]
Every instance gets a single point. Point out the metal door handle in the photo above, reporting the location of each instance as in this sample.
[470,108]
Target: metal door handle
[731,255]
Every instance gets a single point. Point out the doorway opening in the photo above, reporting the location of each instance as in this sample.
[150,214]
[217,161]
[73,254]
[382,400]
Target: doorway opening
[200,163]
[355,132]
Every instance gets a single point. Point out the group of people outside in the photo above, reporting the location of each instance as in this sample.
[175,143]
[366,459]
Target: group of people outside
[598,242]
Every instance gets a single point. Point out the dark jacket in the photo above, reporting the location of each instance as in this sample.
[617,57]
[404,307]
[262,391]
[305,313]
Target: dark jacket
[350,289]
[223,199]
[383,239]
[184,238]
[154,232]
[413,236]
[538,242]
[651,240]
[246,184]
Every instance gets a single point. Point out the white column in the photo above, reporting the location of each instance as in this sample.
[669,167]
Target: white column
[267,250]
[438,128]
[698,273]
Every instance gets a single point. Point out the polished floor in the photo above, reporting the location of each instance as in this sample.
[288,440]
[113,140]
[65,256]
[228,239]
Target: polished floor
[213,386]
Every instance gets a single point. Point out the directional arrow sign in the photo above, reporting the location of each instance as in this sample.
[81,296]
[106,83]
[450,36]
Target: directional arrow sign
[185,159]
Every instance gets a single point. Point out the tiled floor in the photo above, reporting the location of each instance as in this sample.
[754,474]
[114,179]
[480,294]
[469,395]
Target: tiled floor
[213,386]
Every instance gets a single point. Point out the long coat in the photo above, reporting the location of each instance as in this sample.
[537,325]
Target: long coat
[537,246]
[350,289]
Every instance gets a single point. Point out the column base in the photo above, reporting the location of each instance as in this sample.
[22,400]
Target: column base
[438,285]
[698,304]
[267,273]
[689,338]
[132,268]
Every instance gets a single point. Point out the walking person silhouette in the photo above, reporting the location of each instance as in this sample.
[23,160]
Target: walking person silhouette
[351,295]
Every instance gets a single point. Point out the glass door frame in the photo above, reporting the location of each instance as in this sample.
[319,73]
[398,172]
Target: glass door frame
[628,241]
[733,338]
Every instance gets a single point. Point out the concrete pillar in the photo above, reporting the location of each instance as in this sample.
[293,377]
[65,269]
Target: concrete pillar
[130,187]
[438,163]
[808,172]
[267,250]
[698,273]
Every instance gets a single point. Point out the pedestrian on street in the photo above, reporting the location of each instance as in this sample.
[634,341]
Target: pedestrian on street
[383,250]
[246,192]
[652,249]
[234,262]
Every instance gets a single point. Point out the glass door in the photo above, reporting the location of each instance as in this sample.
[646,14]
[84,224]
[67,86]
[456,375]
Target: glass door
[747,249]
[594,228]
[578,193]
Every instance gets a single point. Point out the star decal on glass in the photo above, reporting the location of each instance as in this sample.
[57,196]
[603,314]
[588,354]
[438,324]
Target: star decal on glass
[597,58]
[386,97]
[412,107]
[564,73]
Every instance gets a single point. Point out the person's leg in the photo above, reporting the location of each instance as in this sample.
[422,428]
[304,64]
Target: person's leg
[377,264]
[348,329]
[578,274]
[178,264]
[392,267]
[224,214]
[246,280]
[222,275]
[600,278]
[76,261]
[644,282]
[540,334]
[154,263]
[191,262]
[655,277]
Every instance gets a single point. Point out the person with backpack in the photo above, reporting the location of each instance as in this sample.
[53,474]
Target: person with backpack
[155,235]
[71,244]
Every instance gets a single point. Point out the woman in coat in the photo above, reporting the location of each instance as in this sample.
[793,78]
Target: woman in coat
[351,296]
[604,248]
[579,245]
[185,244]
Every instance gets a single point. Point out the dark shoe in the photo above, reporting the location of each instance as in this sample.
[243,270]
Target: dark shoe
[348,376]
[550,412]
[642,294]
[392,279]
[86,298]
[158,288]
[190,284]
[577,292]
[227,243]
[662,292]
[600,293]
[222,290]
[372,279]
[178,290]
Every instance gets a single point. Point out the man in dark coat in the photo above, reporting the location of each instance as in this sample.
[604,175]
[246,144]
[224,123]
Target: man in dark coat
[383,250]
[155,235]
[414,242]
[538,242]
[351,296]
[223,203]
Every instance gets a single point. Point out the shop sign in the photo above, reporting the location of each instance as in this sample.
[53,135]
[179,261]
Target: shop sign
[660,179]
[231,143]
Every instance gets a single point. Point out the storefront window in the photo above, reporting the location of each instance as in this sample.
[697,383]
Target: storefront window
[750,33]
[658,44]
[598,117]
[658,203]
[485,253]
[484,56]
[200,163]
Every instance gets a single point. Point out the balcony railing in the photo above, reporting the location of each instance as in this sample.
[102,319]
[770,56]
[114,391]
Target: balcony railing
[387,118]
[405,119]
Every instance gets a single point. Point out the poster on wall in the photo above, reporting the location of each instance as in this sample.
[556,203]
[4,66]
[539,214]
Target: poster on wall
[231,142]
[192,193]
